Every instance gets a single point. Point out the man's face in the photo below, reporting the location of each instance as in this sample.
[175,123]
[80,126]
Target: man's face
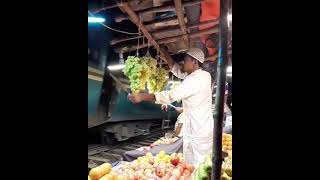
[187,64]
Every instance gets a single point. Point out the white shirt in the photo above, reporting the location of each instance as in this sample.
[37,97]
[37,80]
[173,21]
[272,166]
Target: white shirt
[180,120]
[196,94]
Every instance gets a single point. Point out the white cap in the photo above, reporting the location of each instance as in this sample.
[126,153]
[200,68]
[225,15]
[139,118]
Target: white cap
[196,53]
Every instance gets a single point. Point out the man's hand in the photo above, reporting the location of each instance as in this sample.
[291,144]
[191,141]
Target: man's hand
[135,98]
[138,98]
[164,107]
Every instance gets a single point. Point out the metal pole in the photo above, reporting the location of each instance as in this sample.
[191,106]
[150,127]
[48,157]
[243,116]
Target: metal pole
[220,93]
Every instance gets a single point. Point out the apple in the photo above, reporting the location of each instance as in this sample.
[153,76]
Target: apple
[186,173]
[170,169]
[160,172]
[184,165]
[189,167]
[176,173]
[173,155]
[165,177]
[151,161]
[175,161]
[180,168]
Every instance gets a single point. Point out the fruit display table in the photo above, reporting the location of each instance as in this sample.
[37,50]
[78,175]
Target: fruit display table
[175,147]
[148,167]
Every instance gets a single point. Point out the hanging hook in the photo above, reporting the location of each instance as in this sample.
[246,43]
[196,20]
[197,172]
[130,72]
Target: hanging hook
[148,53]
[137,54]
[158,54]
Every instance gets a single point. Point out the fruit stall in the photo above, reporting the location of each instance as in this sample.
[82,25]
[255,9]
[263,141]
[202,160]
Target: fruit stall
[169,145]
[164,166]
[163,159]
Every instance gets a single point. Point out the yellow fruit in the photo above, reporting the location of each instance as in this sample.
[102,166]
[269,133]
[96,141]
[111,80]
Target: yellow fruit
[120,177]
[106,167]
[107,177]
[225,177]
[228,171]
[229,143]
[149,155]
[98,172]
[162,153]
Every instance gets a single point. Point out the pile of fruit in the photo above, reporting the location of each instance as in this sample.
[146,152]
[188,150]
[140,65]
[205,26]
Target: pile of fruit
[144,71]
[203,171]
[159,167]
[149,167]
[102,172]
[226,142]
[226,169]
[164,140]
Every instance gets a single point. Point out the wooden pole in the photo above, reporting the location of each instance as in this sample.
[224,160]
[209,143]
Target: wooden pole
[220,93]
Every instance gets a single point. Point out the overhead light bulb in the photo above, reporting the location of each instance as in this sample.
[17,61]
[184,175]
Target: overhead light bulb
[229,69]
[115,67]
[96,20]
[229,18]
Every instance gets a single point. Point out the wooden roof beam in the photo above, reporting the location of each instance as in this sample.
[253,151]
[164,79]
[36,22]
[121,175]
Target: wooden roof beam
[168,30]
[182,23]
[124,7]
[169,7]
[169,40]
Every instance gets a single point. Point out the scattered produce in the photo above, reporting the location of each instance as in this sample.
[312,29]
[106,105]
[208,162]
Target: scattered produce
[98,172]
[227,166]
[226,142]
[204,169]
[164,140]
[160,167]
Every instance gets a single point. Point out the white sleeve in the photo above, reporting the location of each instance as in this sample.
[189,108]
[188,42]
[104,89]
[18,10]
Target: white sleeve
[181,118]
[177,72]
[184,90]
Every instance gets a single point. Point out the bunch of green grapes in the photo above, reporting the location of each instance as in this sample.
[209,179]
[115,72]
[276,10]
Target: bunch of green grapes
[157,81]
[152,63]
[138,70]
[132,70]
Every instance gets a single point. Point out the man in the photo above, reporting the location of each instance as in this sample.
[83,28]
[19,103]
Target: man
[178,127]
[196,95]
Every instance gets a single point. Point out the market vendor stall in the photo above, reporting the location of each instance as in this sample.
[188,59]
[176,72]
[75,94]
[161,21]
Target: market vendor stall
[161,166]
[146,75]
[174,147]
